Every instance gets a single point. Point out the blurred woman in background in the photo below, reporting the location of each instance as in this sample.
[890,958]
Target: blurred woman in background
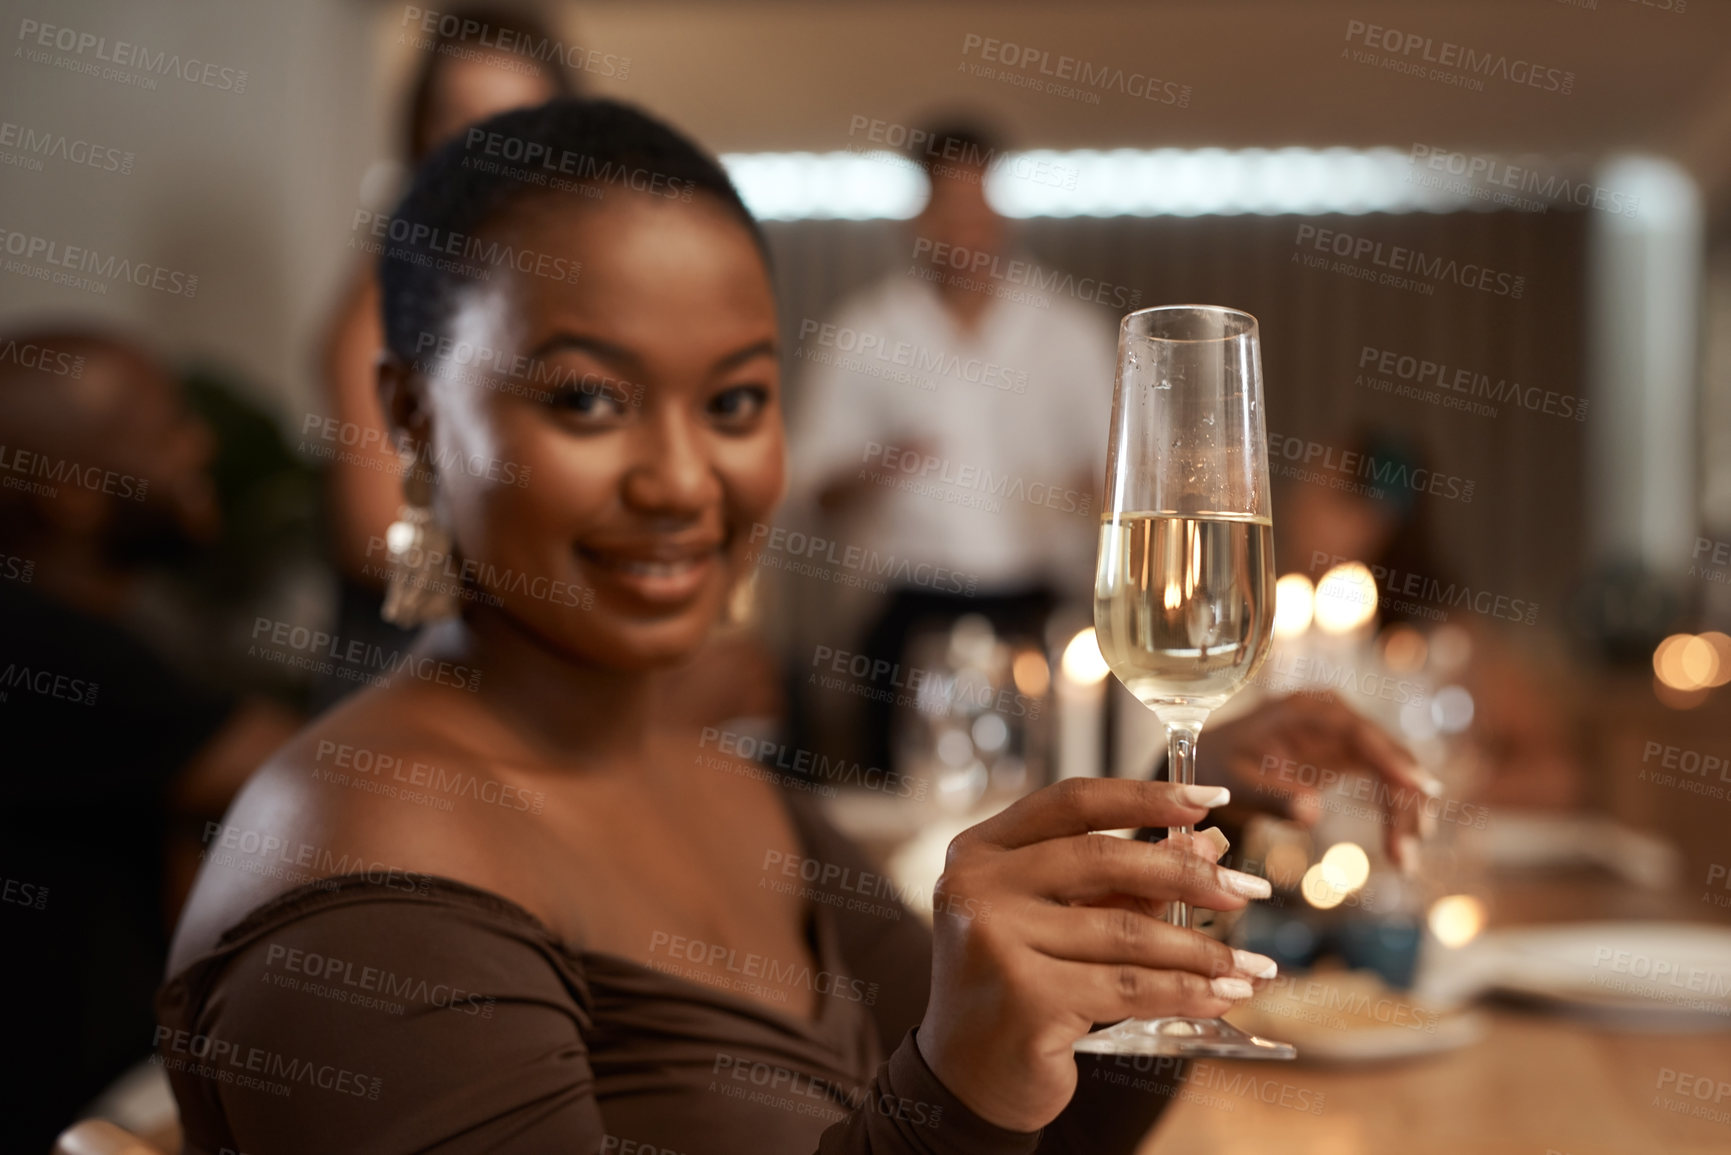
[463,78]
[1518,727]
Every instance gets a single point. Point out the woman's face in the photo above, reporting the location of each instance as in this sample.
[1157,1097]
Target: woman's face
[602,462]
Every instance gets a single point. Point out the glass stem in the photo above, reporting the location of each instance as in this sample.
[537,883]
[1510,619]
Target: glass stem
[1181,735]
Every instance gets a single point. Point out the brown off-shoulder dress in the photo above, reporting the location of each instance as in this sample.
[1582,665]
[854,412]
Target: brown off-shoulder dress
[357,1015]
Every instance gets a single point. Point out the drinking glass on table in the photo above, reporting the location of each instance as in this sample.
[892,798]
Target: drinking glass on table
[1184,588]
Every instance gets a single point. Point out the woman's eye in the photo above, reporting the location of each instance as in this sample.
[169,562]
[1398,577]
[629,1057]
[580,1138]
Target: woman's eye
[740,404]
[589,404]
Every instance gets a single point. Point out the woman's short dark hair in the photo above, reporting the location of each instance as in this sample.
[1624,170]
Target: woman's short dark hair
[572,148]
[479,28]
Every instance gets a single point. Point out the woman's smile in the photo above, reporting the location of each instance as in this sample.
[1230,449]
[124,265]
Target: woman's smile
[654,571]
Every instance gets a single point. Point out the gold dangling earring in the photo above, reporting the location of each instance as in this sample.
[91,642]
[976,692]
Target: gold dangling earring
[417,545]
[740,612]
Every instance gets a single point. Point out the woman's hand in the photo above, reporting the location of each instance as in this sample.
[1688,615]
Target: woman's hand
[1036,967]
[1277,756]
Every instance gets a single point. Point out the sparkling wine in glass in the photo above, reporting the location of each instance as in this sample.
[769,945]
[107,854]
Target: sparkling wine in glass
[1184,589]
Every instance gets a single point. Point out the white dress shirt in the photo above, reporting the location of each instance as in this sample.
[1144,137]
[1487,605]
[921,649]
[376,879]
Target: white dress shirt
[994,440]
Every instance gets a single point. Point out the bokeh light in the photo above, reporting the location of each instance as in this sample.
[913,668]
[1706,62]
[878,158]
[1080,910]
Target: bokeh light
[1346,865]
[1404,649]
[1083,663]
[1319,889]
[1722,651]
[1033,676]
[1687,662]
[1293,598]
[1345,598]
[1456,919]
[1451,709]
[1451,648]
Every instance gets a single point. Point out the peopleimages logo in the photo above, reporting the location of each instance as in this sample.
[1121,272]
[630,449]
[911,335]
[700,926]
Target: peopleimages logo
[30,894]
[829,1101]
[29,355]
[806,764]
[473,39]
[354,659]
[879,679]
[1396,584]
[225,1059]
[1693,771]
[507,371]
[564,169]
[61,264]
[1494,179]
[40,474]
[976,263]
[33,145]
[1439,381]
[370,439]
[1070,77]
[468,255]
[1331,465]
[781,548]
[1452,62]
[17,569]
[918,363]
[391,775]
[47,684]
[749,966]
[939,478]
[1397,259]
[951,157]
[331,971]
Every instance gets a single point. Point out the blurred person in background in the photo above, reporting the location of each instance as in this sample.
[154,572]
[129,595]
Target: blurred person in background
[461,80]
[114,757]
[986,466]
[1518,726]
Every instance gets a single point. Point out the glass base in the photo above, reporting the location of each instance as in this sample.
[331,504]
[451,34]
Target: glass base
[1189,1038]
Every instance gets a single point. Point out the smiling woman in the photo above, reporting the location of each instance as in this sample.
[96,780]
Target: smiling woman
[570,939]
[653,429]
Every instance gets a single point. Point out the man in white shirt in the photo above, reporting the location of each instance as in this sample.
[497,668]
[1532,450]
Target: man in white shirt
[956,413]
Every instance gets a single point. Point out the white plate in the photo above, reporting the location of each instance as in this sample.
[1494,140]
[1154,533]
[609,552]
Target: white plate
[1659,975]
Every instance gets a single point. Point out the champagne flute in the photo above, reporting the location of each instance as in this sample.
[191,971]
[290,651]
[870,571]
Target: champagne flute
[1184,589]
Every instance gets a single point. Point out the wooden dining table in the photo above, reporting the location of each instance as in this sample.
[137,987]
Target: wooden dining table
[1536,1083]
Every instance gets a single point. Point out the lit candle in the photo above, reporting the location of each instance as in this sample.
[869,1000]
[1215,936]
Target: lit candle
[1080,691]
[1345,601]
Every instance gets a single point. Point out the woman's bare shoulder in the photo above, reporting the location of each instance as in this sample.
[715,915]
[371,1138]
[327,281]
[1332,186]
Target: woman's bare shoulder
[365,789]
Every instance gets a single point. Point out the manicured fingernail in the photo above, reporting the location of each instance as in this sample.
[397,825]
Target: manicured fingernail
[1247,885]
[1232,988]
[1426,782]
[1205,796]
[1408,855]
[1217,840]
[1257,966]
